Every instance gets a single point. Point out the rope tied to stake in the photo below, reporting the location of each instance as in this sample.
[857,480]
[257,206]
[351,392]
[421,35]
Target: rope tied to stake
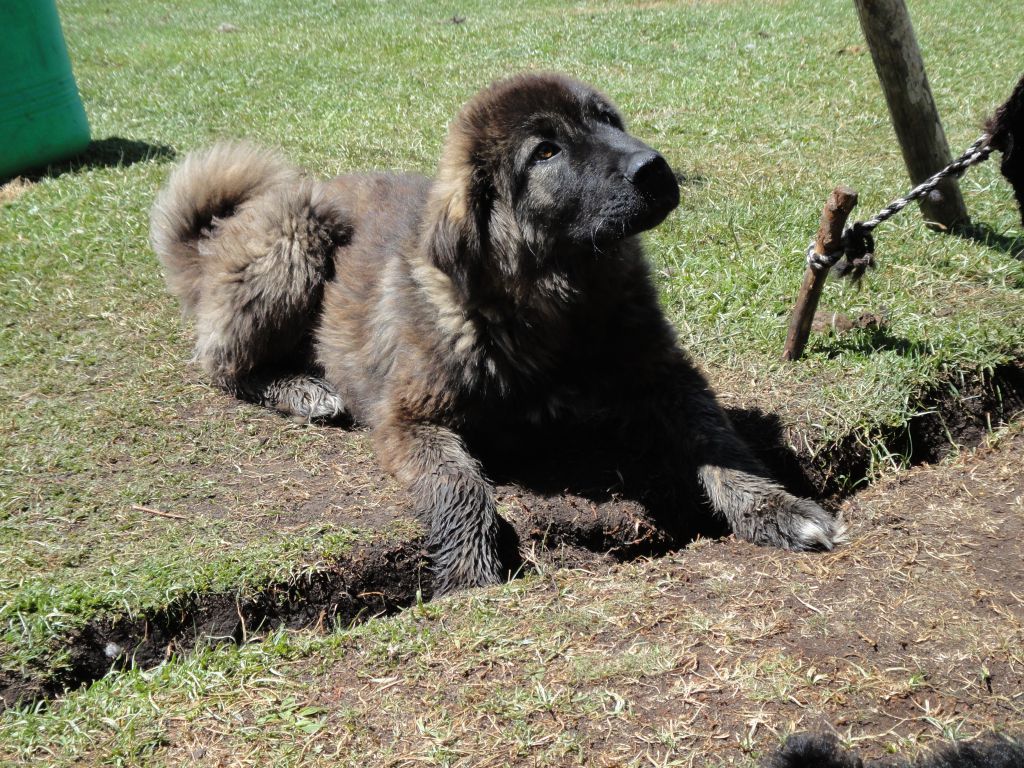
[854,256]
[849,250]
[856,251]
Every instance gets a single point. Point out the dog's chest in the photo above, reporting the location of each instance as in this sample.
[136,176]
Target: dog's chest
[532,387]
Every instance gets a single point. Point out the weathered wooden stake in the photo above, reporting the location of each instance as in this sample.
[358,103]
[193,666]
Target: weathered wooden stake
[830,234]
[894,50]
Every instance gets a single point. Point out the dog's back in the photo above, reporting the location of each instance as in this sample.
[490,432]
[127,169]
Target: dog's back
[373,315]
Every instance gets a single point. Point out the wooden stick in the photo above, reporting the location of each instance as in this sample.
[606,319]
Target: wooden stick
[915,119]
[830,234]
[157,512]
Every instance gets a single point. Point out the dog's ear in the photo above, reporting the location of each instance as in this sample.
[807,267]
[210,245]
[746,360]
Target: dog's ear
[457,218]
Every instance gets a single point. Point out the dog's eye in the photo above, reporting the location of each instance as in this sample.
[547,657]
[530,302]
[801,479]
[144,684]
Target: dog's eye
[545,151]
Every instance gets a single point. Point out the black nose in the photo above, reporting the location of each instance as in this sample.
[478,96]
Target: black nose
[651,175]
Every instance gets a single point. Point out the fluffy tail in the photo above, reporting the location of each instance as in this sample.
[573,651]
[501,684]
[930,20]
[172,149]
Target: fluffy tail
[247,244]
[209,186]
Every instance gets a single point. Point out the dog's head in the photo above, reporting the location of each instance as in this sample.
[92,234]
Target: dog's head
[539,169]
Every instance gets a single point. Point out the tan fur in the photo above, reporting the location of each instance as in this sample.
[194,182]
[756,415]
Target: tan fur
[188,205]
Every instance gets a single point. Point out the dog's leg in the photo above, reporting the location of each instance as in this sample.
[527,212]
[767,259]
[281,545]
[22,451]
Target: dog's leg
[740,488]
[451,493]
[302,396]
[679,404]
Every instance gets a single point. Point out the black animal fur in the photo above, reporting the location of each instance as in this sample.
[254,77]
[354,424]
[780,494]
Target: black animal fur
[813,750]
[1006,128]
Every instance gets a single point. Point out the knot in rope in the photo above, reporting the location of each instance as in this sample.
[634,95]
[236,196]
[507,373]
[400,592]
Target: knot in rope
[858,253]
[854,256]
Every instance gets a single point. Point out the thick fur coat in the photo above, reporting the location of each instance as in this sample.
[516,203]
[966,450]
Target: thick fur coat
[509,288]
[1006,131]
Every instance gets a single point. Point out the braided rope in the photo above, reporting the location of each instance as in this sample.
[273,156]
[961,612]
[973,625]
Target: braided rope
[858,246]
[976,153]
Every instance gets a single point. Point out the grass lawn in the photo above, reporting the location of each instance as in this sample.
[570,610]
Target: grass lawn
[129,489]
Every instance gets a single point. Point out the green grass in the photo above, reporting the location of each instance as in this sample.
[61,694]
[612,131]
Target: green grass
[758,104]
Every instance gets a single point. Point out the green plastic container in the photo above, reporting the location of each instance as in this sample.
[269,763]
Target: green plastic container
[41,115]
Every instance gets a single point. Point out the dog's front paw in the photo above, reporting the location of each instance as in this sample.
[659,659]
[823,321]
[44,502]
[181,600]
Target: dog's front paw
[458,568]
[808,526]
[789,522]
[456,579]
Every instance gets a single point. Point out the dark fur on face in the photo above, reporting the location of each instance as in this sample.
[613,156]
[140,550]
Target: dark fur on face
[510,288]
[812,750]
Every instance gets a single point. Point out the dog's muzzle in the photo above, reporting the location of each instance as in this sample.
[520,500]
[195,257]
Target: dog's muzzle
[653,179]
[655,185]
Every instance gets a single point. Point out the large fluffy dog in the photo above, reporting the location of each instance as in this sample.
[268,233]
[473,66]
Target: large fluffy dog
[509,288]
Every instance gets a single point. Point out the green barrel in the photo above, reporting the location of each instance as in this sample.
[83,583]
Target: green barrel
[41,115]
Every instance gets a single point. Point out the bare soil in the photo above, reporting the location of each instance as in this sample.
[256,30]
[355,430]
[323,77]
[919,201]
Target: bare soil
[910,634]
[606,503]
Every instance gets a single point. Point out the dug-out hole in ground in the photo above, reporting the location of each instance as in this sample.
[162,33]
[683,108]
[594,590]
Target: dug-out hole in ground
[600,505]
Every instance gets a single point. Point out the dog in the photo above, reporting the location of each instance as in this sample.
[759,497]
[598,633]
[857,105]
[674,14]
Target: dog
[511,288]
[814,750]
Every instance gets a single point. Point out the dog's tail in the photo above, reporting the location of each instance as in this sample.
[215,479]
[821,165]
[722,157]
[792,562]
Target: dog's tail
[208,187]
[248,244]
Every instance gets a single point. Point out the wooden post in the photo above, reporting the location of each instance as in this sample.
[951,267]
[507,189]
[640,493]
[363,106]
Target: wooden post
[890,37]
[830,234]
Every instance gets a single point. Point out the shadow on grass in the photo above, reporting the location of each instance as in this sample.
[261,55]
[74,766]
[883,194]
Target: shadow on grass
[865,341]
[112,152]
[984,235]
[631,501]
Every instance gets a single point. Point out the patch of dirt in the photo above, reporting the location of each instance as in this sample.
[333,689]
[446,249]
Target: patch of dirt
[839,323]
[606,503]
[935,566]
[910,634]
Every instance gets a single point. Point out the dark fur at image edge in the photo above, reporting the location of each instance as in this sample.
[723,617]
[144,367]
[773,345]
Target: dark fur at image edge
[1006,127]
[509,289]
[824,751]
